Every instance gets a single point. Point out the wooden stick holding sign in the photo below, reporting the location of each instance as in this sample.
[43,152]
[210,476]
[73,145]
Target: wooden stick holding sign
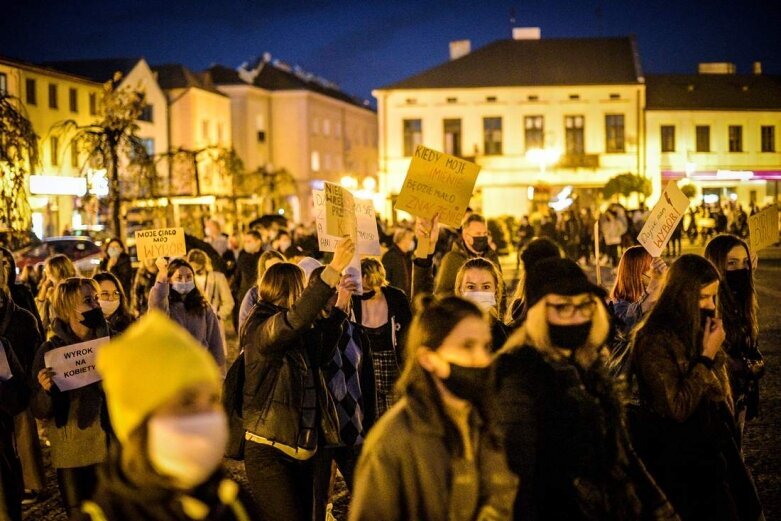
[164,242]
[763,229]
[663,220]
[437,183]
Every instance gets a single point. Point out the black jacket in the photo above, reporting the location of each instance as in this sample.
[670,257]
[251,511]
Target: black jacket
[398,268]
[122,270]
[20,293]
[20,329]
[142,285]
[399,313]
[245,276]
[280,347]
[14,396]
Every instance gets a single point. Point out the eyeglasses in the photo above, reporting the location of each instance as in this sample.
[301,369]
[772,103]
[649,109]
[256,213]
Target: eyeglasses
[586,309]
[109,295]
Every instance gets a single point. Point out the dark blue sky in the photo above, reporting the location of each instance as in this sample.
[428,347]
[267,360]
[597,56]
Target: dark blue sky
[365,44]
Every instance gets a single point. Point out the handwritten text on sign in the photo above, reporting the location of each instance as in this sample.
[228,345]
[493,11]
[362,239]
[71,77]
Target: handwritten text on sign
[339,211]
[663,219]
[368,235]
[438,183]
[164,242]
[763,228]
[74,365]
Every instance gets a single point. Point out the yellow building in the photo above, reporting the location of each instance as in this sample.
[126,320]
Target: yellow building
[718,130]
[561,112]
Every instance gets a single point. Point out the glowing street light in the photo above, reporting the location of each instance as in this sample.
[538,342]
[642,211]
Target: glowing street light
[543,157]
[349,182]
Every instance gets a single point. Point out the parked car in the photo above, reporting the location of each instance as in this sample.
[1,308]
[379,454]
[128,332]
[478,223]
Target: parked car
[85,254]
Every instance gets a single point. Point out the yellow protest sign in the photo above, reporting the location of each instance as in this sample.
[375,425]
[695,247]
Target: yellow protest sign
[763,228]
[340,219]
[437,183]
[164,242]
[663,219]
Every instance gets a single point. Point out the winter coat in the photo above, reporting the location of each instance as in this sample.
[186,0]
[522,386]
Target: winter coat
[398,268]
[118,499]
[76,421]
[246,274]
[685,432]
[142,285]
[122,270]
[14,397]
[203,325]
[413,466]
[282,351]
[20,329]
[217,292]
[452,262]
[566,440]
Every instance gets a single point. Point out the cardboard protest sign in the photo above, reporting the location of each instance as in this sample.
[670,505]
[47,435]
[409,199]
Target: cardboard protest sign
[74,365]
[5,367]
[366,222]
[164,242]
[340,219]
[437,183]
[763,228]
[663,219]
[326,242]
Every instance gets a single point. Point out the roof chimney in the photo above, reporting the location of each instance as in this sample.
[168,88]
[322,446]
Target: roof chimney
[459,48]
[526,33]
[757,68]
[716,68]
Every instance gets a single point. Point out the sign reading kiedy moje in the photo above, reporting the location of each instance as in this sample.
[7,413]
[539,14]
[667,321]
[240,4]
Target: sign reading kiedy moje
[663,219]
[763,228]
[163,242]
[437,183]
[74,365]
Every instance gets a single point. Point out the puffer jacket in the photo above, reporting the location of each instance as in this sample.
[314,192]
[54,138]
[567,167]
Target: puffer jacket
[281,349]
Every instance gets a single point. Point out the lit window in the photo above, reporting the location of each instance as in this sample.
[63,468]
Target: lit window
[413,136]
[315,162]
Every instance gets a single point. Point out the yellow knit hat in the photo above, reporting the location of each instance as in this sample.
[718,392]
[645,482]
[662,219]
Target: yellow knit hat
[147,366]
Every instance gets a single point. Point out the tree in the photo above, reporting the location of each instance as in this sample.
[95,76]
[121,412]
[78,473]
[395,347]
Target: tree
[18,158]
[627,184]
[273,187]
[112,140]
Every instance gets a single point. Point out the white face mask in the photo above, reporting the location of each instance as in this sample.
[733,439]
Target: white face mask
[484,299]
[187,449]
[183,288]
[108,307]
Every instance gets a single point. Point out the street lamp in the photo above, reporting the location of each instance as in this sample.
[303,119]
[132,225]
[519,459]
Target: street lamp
[543,157]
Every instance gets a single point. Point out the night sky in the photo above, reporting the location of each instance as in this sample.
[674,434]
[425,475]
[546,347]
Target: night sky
[365,44]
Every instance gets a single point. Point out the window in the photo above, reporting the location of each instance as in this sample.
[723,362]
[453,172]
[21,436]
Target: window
[261,136]
[219,133]
[768,138]
[413,136]
[668,138]
[490,99]
[574,97]
[315,161]
[338,129]
[533,132]
[149,145]
[615,96]
[74,154]
[533,97]
[492,136]
[573,136]
[52,96]
[327,162]
[29,88]
[205,130]
[411,101]
[147,114]
[452,130]
[315,126]
[703,138]
[452,100]
[614,133]
[54,149]
[3,84]
[326,127]
[735,138]
[93,104]
[73,100]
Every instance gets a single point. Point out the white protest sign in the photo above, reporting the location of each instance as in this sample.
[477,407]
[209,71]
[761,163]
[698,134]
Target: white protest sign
[663,219]
[368,235]
[763,228]
[164,242]
[74,365]
[5,367]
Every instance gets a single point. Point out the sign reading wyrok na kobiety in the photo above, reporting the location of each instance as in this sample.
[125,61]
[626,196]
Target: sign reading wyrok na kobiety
[74,365]
[663,219]
[163,242]
[366,222]
[437,183]
[763,228]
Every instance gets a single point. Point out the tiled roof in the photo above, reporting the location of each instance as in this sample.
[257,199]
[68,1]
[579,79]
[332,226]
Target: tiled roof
[222,75]
[713,92]
[177,76]
[555,61]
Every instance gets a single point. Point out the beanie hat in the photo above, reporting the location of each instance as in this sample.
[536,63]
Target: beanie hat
[538,249]
[308,264]
[559,276]
[147,366]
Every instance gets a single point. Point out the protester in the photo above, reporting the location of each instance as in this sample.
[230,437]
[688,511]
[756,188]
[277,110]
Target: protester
[613,225]
[15,393]
[21,291]
[246,273]
[265,261]
[75,421]
[214,287]
[538,249]
[397,261]
[474,242]
[171,429]
[384,313]
[214,236]
[685,431]
[288,412]
[113,302]
[436,454]
[56,269]
[143,284]
[738,310]
[117,262]
[561,416]
[175,294]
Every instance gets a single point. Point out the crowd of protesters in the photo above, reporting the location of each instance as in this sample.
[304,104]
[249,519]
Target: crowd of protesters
[435,390]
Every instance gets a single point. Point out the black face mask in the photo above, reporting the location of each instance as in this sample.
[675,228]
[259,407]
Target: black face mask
[569,337]
[93,319]
[739,282]
[480,244]
[469,383]
[368,294]
[705,314]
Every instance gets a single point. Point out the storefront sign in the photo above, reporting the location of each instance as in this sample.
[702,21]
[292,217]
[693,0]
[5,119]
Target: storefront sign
[74,365]
[164,242]
[763,228]
[663,219]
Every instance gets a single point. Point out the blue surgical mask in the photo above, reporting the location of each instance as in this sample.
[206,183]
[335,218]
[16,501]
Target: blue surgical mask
[183,288]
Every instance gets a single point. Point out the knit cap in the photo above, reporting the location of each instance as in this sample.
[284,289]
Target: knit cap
[147,366]
[559,276]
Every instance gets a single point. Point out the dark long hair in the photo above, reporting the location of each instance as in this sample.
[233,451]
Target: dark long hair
[733,312]
[193,301]
[124,308]
[629,277]
[678,307]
